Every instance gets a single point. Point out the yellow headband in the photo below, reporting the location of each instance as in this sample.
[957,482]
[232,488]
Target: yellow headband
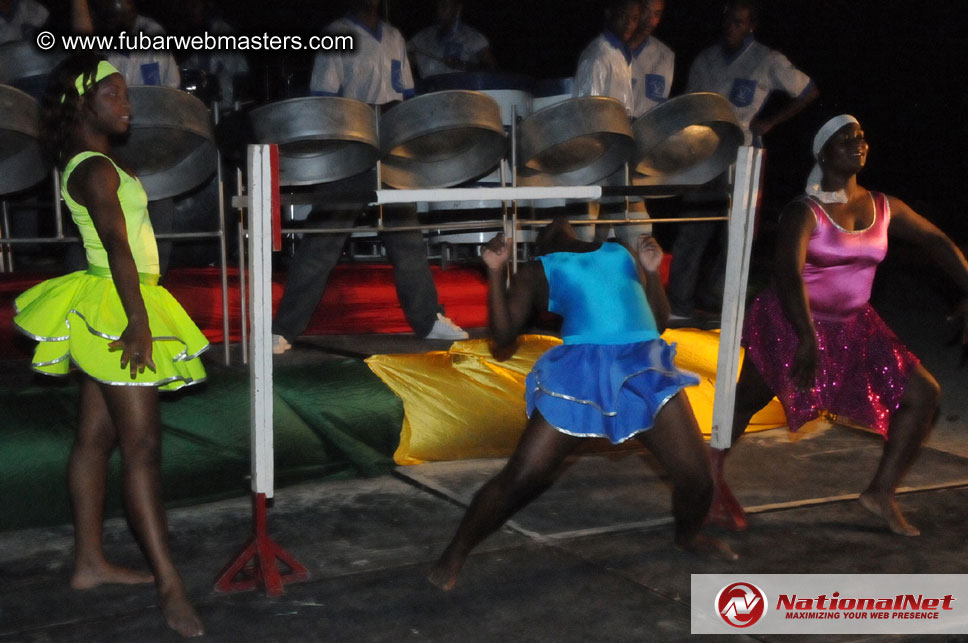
[104,69]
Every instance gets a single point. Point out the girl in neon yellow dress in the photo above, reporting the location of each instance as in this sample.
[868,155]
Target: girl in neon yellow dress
[126,334]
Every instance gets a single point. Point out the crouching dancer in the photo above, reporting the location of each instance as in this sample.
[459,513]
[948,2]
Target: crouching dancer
[613,377]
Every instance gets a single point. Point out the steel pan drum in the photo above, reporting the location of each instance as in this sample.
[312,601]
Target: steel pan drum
[690,139]
[513,95]
[22,163]
[442,139]
[321,138]
[24,66]
[575,142]
[511,91]
[172,142]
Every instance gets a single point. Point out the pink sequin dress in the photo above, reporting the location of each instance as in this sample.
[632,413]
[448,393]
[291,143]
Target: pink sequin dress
[862,368]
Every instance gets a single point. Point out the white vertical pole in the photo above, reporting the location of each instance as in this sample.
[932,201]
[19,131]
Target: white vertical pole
[223,261]
[260,290]
[742,217]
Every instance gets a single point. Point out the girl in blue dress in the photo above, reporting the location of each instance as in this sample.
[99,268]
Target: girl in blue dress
[613,377]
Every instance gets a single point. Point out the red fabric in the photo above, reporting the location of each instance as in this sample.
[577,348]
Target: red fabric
[359,299]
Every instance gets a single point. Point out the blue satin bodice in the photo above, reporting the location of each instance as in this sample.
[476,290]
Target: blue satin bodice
[599,296]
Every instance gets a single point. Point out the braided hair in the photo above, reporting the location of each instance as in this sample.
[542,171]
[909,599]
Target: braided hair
[61,104]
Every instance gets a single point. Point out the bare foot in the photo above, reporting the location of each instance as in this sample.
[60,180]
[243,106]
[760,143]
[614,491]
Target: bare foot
[180,615]
[444,574]
[708,547]
[885,506]
[104,573]
[725,510]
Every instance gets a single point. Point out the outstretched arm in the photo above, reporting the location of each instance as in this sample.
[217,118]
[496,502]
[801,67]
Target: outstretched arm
[95,185]
[508,310]
[911,226]
[797,222]
[760,126]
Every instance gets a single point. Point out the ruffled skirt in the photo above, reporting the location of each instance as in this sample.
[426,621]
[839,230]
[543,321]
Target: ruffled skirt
[862,371]
[601,390]
[76,316]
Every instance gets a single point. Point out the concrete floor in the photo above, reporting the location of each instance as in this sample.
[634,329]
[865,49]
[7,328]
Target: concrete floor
[591,560]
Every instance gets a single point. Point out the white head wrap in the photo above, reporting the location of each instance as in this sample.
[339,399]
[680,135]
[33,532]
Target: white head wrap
[813,188]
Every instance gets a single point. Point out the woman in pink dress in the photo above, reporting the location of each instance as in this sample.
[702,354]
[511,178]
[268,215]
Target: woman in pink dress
[812,338]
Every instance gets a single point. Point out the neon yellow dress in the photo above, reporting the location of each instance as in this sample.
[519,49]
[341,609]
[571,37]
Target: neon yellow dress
[74,317]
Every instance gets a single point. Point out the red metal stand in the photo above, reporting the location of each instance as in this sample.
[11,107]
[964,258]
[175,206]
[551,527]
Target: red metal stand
[255,565]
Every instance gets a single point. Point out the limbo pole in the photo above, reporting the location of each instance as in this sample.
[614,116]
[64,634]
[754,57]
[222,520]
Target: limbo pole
[257,564]
[742,218]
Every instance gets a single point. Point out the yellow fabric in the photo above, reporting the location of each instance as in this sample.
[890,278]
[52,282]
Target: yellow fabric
[134,205]
[464,403]
[104,69]
[75,316]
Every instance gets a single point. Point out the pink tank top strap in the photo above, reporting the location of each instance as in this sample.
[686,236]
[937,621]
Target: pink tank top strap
[882,208]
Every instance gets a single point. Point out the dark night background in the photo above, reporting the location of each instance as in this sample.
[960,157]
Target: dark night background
[897,65]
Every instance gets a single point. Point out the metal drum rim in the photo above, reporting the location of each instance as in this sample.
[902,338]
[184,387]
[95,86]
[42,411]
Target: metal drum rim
[202,126]
[529,128]
[723,112]
[721,115]
[23,124]
[390,139]
[310,99]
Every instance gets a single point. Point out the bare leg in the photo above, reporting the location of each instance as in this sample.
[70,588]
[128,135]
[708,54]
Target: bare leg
[677,443]
[529,471]
[752,394]
[86,476]
[909,426]
[135,412]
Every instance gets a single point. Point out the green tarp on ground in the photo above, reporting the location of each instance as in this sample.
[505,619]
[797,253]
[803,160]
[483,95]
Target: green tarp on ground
[333,419]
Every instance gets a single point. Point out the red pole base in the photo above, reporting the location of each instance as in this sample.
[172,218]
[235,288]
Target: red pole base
[255,566]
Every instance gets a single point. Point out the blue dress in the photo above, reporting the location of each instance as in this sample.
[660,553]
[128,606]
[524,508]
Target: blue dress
[613,373]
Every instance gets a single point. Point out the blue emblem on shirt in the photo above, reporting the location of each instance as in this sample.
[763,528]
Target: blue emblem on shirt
[742,93]
[396,75]
[655,87]
[151,73]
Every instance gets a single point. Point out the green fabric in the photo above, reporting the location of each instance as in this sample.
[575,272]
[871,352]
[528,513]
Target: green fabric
[335,419]
[134,205]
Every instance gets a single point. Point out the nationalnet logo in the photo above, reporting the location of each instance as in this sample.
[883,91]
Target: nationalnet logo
[830,603]
[899,606]
[741,604]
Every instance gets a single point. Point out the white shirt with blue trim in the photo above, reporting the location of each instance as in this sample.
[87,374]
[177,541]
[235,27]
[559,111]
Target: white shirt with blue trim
[376,71]
[604,70]
[746,78]
[147,66]
[653,65]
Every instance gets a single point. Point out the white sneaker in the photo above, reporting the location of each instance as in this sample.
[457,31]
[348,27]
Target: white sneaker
[280,345]
[444,328]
